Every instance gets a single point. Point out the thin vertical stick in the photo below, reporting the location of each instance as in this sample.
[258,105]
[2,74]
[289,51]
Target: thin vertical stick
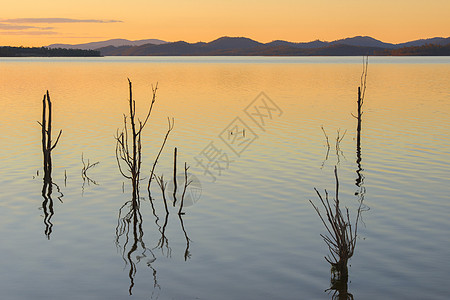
[162,185]
[174,176]
[186,183]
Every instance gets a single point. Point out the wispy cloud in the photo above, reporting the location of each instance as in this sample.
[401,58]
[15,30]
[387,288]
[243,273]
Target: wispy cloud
[21,27]
[29,33]
[55,20]
[37,26]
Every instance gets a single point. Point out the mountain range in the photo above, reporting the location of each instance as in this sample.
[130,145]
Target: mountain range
[359,45]
[113,42]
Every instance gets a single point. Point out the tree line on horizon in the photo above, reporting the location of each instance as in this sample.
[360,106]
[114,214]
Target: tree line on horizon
[185,49]
[425,50]
[8,51]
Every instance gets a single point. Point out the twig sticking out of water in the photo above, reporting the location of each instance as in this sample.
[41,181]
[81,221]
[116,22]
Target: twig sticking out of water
[174,176]
[360,101]
[186,184]
[152,173]
[339,139]
[47,147]
[128,152]
[328,146]
[46,126]
[163,185]
[86,166]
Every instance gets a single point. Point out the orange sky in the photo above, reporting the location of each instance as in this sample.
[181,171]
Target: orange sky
[40,23]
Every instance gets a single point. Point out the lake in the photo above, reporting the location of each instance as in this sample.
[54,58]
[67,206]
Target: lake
[250,128]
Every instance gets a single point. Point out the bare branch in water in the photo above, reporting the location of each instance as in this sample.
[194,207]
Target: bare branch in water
[174,176]
[328,146]
[84,175]
[338,144]
[186,184]
[47,147]
[163,185]
[341,238]
[128,141]
[152,174]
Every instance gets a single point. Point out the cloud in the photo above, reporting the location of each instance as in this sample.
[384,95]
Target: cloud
[21,27]
[29,33]
[55,20]
[30,26]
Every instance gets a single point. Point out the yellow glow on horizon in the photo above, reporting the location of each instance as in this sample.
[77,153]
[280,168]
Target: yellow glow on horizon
[206,20]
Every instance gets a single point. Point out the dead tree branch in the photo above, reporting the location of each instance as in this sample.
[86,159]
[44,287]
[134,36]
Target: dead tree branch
[152,173]
[341,238]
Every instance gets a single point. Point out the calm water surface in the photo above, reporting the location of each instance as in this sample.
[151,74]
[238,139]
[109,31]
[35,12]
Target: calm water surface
[252,234]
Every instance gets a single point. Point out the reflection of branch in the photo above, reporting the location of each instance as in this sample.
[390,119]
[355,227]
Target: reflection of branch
[47,207]
[187,254]
[164,241]
[129,226]
[339,287]
[129,159]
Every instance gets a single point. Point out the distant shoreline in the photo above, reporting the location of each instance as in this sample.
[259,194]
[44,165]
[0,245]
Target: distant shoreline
[7,51]
[335,50]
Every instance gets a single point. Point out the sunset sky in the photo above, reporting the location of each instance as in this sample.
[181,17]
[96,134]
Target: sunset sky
[40,23]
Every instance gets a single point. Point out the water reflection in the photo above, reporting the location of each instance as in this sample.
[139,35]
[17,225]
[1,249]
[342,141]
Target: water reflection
[86,179]
[47,204]
[360,102]
[130,229]
[341,238]
[339,288]
[338,149]
[163,242]
[47,147]
[187,253]
[342,234]
[130,239]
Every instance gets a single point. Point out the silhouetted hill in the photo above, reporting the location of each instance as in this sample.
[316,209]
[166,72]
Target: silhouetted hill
[428,50]
[231,43]
[422,42]
[309,45]
[113,42]
[359,45]
[362,41]
[178,49]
